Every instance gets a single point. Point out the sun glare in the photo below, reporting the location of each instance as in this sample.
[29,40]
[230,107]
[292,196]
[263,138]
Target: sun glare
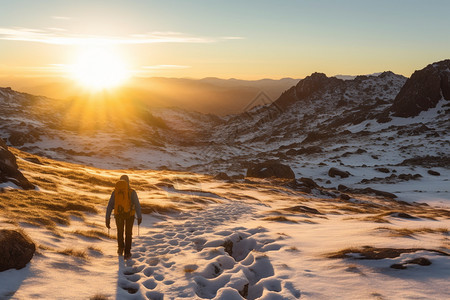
[98,69]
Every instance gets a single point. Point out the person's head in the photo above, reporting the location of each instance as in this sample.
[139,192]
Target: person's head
[126,178]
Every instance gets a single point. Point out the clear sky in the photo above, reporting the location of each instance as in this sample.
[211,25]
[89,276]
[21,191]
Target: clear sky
[248,39]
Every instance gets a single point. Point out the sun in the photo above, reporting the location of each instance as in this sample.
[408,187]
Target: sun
[99,69]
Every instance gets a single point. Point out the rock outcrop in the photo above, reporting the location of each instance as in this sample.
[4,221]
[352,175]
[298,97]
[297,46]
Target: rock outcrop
[9,170]
[270,169]
[423,90]
[307,87]
[16,250]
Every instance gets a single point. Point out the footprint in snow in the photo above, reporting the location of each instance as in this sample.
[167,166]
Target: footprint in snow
[238,266]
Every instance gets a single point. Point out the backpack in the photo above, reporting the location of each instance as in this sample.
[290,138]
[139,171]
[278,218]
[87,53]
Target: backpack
[122,200]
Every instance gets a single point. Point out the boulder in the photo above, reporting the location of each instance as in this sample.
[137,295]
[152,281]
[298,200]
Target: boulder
[333,172]
[367,191]
[423,90]
[308,182]
[9,170]
[345,197]
[382,170]
[222,176]
[270,169]
[16,250]
[434,173]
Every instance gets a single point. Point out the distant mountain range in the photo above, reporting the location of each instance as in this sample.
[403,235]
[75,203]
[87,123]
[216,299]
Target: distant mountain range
[208,95]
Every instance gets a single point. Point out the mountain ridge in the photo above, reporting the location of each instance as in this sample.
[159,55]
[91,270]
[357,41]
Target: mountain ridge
[320,123]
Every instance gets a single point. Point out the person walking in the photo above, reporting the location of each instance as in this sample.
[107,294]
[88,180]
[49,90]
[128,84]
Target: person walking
[125,202]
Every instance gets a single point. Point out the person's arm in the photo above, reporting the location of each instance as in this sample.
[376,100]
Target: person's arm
[137,205]
[109,209]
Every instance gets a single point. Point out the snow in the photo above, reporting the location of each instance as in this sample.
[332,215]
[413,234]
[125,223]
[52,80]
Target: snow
[226,248]
[9,185]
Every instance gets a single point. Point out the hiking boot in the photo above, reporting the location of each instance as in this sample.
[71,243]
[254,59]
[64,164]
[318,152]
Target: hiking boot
[120,252]
[127,256]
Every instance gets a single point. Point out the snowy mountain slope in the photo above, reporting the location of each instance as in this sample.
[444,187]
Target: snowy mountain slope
[106,133]
[203,238]
[318,124]
[348,125]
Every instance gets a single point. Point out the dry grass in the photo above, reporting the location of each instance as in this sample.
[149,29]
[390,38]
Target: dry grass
[279,219]
[190,269]
[93,234]
[408,232]
[44,209]
[302,209]
[53,204]
[379,218]
[75,253]
[95,249]
[45,247]
[99,297]
[369,252]
[148,208]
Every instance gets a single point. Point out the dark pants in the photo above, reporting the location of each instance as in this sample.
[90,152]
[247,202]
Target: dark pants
[126,223]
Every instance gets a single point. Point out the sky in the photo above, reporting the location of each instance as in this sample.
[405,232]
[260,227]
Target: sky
[250,39]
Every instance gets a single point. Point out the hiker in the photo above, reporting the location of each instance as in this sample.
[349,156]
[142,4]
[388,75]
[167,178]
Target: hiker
[126,204]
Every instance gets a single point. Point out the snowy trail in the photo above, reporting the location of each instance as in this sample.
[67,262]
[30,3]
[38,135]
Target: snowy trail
[204,255]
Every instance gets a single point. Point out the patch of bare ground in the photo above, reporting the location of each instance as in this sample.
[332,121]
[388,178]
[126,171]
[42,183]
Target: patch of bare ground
[409,232]
[369,252]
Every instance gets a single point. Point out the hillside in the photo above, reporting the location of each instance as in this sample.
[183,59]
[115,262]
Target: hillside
[205,238]
[318,124]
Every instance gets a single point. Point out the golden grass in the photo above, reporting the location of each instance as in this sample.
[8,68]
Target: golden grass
[95,249]
[44,209]
[99,297]
[369,252]
[380,218]
[148,208]
[408,232]
[44,247]
[279,219]
[93,234]
[293,249]
[73,252]
[189,270]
